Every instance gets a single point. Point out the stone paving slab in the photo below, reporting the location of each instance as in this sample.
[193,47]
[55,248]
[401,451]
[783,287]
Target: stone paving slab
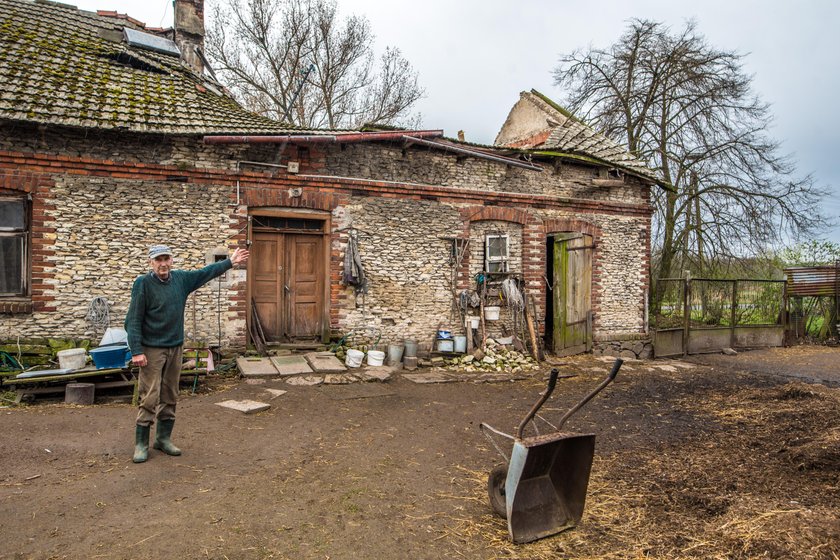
[276,393]
[246,406]
[339,379]
[291,365]
[256,367]
[381,374]
[430,377]
[305,380]
[324,362]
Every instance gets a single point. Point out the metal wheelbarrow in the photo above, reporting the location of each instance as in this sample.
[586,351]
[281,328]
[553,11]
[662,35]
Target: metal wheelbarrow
[542,490]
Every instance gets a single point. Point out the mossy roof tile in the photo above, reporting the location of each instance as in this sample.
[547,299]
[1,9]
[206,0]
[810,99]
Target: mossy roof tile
[56,68]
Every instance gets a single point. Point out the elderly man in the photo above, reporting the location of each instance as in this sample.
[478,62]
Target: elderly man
[155,326]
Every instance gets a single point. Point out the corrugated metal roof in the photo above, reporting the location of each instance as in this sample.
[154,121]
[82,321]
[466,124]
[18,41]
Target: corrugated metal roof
[813,281]
[58,67]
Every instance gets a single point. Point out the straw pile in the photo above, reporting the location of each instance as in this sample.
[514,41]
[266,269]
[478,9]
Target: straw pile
[760,478]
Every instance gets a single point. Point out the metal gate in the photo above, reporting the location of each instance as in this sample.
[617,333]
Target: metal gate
[700,315]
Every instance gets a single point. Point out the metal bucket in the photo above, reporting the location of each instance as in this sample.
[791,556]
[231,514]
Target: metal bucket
[395,354]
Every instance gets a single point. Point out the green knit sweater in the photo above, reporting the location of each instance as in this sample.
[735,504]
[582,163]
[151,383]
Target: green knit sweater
[156,314]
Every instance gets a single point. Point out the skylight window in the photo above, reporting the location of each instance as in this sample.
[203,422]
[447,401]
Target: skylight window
[151,42]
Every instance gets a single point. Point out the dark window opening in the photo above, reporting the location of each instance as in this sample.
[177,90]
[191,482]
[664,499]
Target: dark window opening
[298,224]
[126,59]
[14,237]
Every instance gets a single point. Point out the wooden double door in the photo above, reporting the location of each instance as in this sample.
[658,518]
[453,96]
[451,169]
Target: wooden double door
[287,284]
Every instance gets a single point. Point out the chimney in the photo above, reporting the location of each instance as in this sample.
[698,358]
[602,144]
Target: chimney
[189,31]
[461,135]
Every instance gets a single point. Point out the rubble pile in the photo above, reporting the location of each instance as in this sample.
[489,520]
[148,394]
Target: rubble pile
[494,358]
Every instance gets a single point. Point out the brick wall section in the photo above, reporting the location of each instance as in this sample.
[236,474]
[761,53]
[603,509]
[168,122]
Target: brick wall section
[100,199]
[37,185]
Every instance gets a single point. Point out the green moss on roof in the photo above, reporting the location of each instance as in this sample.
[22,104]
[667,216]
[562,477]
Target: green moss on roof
[56,69]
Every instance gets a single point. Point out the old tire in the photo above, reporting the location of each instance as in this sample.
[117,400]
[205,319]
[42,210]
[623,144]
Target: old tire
[496,490]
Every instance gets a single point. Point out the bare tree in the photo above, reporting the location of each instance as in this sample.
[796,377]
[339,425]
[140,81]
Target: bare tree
[688,110]
[297,61]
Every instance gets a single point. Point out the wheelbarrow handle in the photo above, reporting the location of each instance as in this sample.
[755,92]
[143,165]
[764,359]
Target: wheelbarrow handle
[552,382]
[604,383]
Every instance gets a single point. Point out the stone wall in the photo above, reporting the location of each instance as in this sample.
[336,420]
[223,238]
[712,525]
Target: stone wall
[381,161]
[100,199]
[100,230]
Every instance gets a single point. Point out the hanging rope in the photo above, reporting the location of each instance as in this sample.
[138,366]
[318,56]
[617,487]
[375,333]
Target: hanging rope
[99,313]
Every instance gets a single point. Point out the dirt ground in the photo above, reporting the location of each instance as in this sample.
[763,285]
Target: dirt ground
[713,457]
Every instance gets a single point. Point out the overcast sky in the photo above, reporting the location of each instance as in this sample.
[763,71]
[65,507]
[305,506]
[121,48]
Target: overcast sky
[475,56]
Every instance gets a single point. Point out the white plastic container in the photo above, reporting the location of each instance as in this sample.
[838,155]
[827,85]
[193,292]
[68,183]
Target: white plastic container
[471,321]
[491,313]
[446,345]
[354,358]
[460,343]
[114,335]
[375,357]
[74,358]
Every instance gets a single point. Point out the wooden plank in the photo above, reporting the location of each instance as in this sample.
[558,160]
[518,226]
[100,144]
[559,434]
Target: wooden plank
[64,377]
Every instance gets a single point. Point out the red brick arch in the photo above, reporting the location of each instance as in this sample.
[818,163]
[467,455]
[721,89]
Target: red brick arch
[495,213]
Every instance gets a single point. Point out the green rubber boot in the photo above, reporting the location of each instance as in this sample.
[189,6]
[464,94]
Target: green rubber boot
[162,435]
[141,443]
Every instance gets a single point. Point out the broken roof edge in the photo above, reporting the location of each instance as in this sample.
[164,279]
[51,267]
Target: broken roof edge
[604,163]
[566,155]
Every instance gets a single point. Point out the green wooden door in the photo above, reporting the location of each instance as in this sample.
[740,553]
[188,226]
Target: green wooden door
[572,293]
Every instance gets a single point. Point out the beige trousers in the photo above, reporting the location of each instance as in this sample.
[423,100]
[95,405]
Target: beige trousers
[158,384]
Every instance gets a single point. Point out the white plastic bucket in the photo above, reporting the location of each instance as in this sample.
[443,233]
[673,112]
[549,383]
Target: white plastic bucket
[446,345]
[460,343]
[375,357]
[491,313]
[472,322]
[74,358]
[354,358]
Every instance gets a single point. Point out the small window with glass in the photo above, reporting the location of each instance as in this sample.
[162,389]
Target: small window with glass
[496,253]
[13,244]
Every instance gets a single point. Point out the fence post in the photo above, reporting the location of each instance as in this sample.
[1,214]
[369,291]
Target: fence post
[734,316]
[686,314]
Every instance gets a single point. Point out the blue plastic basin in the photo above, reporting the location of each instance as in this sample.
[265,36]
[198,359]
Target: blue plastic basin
[110,357]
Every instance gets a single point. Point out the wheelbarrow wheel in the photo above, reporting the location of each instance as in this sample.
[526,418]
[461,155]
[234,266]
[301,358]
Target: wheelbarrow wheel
[496,490]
